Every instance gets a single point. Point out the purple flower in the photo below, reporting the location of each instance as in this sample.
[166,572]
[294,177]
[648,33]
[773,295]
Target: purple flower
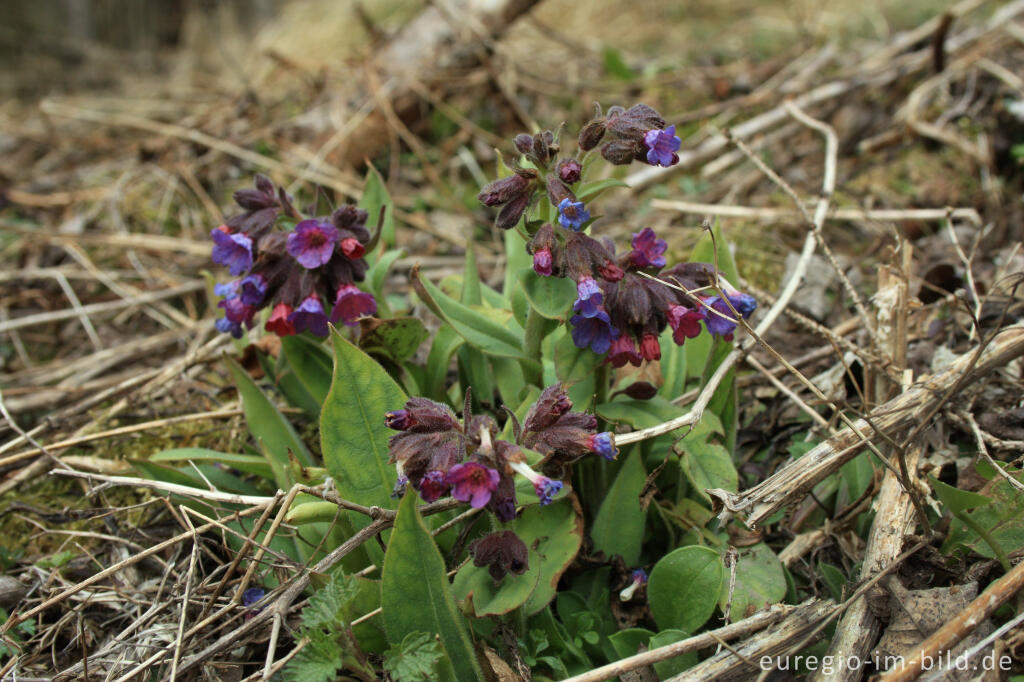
[542,262]
[433,486]
[351,304]
[227,289]
[472,482]
[595,332]
[745,304]
[231,250]
[252,595]
[603,444]
[253,289]
[720,320]
[589,297]
[662,146]
[572,214]
[545,487]
[310,316]
[648,249]
[569,171]
[312,243]
[226,326]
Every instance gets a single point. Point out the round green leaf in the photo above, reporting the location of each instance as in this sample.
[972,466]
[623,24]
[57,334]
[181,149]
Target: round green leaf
[556,533]
[759,582]
[495,599]
[684,586]
[551,297]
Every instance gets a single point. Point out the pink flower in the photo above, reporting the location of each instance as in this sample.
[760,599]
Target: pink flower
[351,304]
[312,243]
[278,321]
[472,482]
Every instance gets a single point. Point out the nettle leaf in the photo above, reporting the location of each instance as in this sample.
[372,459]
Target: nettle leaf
[375,196]
[416,596]
[760,581]
[396,339]
[414,659]
[352,430]
[329,605]
[684,586]
[319,661]
[551,297]
[619,526]
[311,362]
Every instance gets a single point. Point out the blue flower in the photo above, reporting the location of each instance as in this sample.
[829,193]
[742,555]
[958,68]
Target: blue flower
[595,332]
[253,289]
[603,444]
[231,250]
[662,146]
[572,214]
[588,297]
[310,316]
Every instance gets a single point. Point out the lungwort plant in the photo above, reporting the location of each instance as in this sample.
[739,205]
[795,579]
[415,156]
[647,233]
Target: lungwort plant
[482,455]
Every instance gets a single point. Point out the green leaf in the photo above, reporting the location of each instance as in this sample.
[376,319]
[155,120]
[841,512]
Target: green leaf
[396,339]
[490,599]
[1002,518]
[329,605]
[319,661]
[508,375]
[352,430]
[311,362]
[556,533]
[834,580]
[684,586]
[446,342]
[311,512]
[480,329]
[958,500]
[676,664]
[639,414]
[619,525]
[375,196]
[416,596]
[575,368]
[759,582]
[673,367]
[706,465]
[266,423]
[414,659]
[551,297]
[589,191]
[250,464]
[628,642]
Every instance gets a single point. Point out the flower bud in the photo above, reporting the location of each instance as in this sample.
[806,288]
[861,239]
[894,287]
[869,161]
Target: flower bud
[524,143]
[503,190]
[619,152]
[591,134]
[510,213]
[569,171]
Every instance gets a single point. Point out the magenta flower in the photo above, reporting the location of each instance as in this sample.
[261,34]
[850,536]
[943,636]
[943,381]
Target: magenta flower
[352,248]
[572,214]
[231,250]
[648,249]
[351,304]
[623,351]
[309,316]
[472,482]
[685,323]
[542,262]
[312,243]
[278,321]
[595,332]
[650,348]
[433,486]
[662,146]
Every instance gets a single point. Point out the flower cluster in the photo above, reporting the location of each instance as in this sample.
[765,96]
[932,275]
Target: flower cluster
[295,272]
[438,455]
[638,133]
[635,134]
[622,312]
